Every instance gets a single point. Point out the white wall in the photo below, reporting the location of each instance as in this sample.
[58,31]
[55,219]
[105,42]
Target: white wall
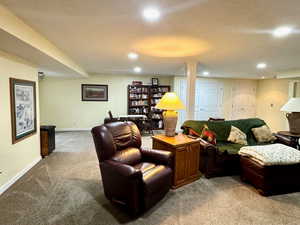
[271,96]
[229,97]
[15,157]
[61,103]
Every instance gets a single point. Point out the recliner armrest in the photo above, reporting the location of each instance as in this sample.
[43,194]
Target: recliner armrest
[157,156]
[123,169]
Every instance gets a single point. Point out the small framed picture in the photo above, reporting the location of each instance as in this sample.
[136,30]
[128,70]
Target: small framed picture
[136,82]
[155,82]
[94,92]
[23,109]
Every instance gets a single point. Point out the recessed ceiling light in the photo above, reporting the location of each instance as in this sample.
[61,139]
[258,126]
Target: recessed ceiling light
[261,66]
[206,73]
[151,14]
[133,56]
[137,69]
[282,31]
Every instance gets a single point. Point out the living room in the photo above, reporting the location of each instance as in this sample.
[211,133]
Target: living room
[202,78]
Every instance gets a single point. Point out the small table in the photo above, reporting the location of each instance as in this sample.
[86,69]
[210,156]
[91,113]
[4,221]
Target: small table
[47,140]
[294,137]
[186,153]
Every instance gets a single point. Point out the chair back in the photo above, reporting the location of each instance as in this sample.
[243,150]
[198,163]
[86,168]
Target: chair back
[110,115]
[112,138]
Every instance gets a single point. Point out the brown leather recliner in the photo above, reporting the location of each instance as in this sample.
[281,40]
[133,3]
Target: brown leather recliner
[132,176]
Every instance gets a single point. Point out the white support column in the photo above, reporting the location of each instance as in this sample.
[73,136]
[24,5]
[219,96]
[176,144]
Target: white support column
[191,73]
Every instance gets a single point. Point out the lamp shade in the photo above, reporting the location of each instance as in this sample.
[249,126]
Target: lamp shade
[170,101]
[293,105]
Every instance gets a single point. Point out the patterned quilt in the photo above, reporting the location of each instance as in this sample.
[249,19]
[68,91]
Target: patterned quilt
[275,154]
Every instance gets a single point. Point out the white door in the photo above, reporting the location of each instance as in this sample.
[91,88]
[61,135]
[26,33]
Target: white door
[208,100]
[243,100]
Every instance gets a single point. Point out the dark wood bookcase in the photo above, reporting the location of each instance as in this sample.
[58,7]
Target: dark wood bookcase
[142,100]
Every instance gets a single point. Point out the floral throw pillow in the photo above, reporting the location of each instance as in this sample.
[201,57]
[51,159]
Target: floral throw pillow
[208,135]
[237,136]
[193,132]
[263,134]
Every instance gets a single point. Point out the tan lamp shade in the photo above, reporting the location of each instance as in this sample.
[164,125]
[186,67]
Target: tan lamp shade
[170,101]
[292,107]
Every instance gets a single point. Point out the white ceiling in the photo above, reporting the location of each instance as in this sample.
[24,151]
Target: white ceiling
[233,35]
[47,64]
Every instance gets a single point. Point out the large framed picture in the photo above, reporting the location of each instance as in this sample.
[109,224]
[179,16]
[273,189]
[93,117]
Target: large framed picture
[94,92]
[23,109]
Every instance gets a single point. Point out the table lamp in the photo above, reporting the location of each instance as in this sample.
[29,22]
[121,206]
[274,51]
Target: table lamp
[170,102]
[292,107]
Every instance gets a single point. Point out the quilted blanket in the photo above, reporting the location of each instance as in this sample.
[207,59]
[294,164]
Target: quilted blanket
[275,154]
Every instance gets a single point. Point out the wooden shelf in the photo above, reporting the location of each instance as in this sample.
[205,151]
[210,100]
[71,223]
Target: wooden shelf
[136,99]
[156,97]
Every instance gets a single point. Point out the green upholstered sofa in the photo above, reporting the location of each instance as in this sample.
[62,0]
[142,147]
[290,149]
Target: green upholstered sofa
[223,159]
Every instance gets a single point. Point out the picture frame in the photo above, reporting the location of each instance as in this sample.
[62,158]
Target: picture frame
[155,81]
[94,92]
[136,82]
[23,109]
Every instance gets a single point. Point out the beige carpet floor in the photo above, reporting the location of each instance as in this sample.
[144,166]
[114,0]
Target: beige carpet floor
[66,189]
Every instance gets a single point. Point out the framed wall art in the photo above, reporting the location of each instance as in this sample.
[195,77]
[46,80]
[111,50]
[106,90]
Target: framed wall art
[94,92]
[154,82]
[23,109]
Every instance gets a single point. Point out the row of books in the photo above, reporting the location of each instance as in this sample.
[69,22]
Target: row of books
[138,111]
[137,96]
[139,103]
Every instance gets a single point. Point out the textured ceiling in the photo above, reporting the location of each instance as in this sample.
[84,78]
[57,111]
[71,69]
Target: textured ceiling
[227,37]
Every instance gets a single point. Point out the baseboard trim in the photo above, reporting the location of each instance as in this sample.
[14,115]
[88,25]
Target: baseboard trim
[13,180]
[72,129]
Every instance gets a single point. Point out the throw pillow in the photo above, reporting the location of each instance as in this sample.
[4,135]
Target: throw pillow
[237,136]
[208,135]
[193,133]
[263,134]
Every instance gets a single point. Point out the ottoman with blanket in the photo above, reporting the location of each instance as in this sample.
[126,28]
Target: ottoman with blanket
[271,169]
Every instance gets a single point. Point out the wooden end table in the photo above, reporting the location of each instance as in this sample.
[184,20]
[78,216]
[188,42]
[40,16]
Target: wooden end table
[294,138]
[186,153]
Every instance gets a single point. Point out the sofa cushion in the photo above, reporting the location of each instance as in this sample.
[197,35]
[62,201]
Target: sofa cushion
[237,136]
[231,148]
[263,134]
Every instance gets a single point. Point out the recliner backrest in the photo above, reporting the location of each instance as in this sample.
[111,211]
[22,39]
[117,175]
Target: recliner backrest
[113,137]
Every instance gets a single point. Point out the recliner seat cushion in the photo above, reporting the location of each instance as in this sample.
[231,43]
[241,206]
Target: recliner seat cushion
[144,166]
[156,178]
